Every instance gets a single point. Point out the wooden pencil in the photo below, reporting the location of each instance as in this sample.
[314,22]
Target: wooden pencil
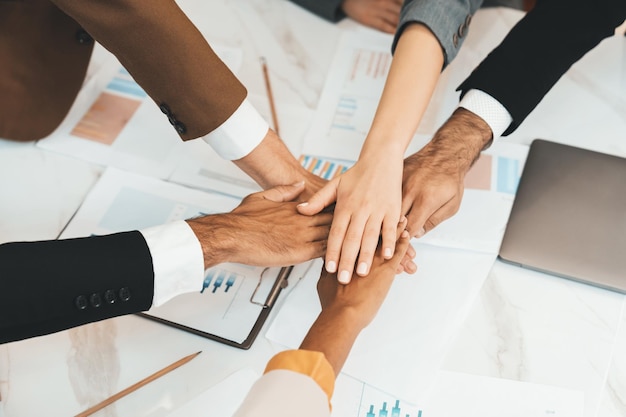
[270,96]
[137,385]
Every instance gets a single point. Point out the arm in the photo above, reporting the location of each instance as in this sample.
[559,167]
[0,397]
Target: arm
[55,285]
[537,51]
[302,381]
[369,194]
[192,86]
[540,49]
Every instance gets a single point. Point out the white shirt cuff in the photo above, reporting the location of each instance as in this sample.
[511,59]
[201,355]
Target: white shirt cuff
[239,134]
[489,109]
[177,260]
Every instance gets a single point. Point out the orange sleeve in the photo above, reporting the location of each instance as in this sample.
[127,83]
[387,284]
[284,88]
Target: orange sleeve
[307,362]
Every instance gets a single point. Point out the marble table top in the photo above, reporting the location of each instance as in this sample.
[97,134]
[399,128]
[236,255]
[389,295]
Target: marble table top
[524,325]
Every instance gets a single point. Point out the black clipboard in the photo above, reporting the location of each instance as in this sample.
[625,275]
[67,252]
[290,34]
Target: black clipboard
[280,282]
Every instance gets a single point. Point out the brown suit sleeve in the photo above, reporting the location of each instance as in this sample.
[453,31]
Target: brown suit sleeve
[167,56]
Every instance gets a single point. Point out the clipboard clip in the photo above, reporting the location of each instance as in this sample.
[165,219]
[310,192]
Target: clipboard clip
[280,283]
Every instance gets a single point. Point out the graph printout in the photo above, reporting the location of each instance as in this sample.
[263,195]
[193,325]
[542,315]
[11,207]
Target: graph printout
[350,96]
[227,302]
[457,394]
[402,349]
[113,122]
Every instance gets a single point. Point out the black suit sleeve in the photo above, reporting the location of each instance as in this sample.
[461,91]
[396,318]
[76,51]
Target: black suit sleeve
[54,285]
[540,49]
[328,9]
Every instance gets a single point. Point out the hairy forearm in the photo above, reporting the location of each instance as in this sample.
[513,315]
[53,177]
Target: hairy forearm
[458,143]
[218,237]
[412,78]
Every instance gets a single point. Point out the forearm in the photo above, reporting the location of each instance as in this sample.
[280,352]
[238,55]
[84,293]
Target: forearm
[458,143]
[540,49]
[50,286]
[412,78]
[333,333]
[167,56]
[271,163]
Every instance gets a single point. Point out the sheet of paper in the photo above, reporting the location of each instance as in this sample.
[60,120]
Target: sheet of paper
[126,201]
[113,122]
[350,95]
[490,187]
[357,76]
[404,346]
[222,399]
[456,394]
[452,394]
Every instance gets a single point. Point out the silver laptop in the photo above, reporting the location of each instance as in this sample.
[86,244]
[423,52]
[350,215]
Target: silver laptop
[569,216]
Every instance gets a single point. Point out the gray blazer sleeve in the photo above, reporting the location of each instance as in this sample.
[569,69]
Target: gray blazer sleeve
[327,9]
[448,20]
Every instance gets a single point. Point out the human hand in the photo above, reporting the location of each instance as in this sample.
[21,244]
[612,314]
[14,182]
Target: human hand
[283,169]
[363,296]
[368,199]
[347,309]
[383,15]
[433,178]
[264,230]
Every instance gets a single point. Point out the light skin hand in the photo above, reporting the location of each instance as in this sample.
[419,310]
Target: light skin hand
[348,309]
[369,195]
[383,15]
[433,178]
[368,199]
[271,164]
[264,230]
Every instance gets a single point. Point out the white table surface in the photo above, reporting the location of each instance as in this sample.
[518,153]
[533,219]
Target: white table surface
[524,325]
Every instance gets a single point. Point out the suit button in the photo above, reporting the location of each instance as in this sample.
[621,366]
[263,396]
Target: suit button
[461,31]
[180,128]
[125,294]
[165,109]
[81,302]
[110,297]
[95,300]
[83,37]
[455,40]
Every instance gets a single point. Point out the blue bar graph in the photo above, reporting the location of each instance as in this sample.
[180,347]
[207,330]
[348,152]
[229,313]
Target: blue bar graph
[230,282]
[508,175]
[396,411]
[220,276]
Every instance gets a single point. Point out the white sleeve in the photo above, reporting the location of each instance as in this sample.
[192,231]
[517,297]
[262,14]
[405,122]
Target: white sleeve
[489,109]
[284,393]
[239,134]
[177,260]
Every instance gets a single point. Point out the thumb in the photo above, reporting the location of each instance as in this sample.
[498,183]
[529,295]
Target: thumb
[321,199]
[282,193]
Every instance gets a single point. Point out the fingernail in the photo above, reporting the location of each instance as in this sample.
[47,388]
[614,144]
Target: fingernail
[388,253]
[344,277]
[405,234]
[403,219]
[306,203]
[298,184]
[361,269]
[421,232]
[331,267]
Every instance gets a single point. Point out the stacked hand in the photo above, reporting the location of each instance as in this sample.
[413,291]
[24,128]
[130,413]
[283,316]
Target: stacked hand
[378,14]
